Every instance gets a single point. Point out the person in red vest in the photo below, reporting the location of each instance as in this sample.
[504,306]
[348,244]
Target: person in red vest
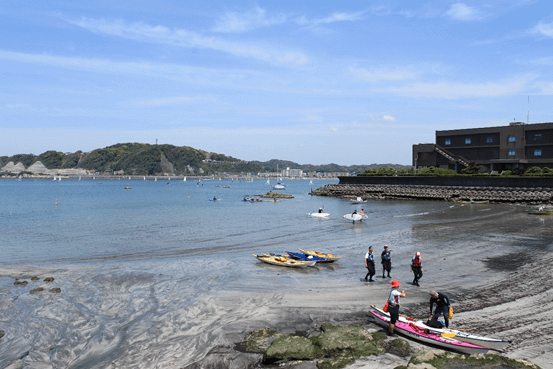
[416,268]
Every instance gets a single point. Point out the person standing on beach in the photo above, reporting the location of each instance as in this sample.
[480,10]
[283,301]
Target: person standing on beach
[393,307]
[386,261]
[416,268]
[442,306]
[370,264]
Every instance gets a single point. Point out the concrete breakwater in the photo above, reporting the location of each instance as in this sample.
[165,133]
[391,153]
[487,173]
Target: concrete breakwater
[537,195]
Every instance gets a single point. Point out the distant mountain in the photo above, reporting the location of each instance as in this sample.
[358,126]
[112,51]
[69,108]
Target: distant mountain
[146,159]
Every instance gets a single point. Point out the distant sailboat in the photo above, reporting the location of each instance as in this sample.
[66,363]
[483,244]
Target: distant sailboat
[19,179]
[54,177]
[129,177]
[59,178]
[184,179]
[268,182]
[144,177]
[155,179]
[311,182]
[79,178]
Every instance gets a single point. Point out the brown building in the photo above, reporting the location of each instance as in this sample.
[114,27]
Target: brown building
[517,145]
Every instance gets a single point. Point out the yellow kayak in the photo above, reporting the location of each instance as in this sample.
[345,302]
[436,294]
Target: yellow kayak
[319,254]
[283,261]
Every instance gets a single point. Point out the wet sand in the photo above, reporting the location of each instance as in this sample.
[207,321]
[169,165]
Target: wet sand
[497,272]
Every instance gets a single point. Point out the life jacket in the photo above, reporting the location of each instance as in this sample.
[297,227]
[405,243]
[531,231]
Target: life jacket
[417,261]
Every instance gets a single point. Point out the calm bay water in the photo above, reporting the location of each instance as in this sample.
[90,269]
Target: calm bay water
[70,222]
[136,267]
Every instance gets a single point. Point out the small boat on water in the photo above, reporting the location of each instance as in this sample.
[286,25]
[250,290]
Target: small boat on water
[319,215]
[473,202]
[279,186]
[487,342]
[305,257]
[283,261]
[540,212]
[359,200]
[320,254]
[128,188]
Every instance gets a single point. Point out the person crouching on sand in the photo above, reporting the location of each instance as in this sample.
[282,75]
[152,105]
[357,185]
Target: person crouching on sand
[393,308]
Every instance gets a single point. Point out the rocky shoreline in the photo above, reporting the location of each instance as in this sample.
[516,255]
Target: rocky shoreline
[524,195]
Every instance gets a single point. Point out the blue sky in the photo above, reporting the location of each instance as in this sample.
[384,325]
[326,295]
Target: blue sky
[354,82]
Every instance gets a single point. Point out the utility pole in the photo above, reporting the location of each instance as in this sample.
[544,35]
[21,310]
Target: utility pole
[528,116]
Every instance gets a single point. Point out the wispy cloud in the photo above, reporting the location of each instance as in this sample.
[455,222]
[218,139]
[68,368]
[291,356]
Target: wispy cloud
[389,118]
[545,29]
[382,74]
[174,100]
[233,22]
[142,32]
[171,71]
[463,12]
[449,90]
[333,18]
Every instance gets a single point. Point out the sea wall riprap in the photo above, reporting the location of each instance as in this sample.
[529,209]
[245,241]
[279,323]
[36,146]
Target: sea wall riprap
[537,195]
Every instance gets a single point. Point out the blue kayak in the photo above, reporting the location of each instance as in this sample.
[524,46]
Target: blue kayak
[305,257]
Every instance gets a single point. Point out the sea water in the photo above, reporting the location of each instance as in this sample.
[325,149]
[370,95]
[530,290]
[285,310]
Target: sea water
[133,264]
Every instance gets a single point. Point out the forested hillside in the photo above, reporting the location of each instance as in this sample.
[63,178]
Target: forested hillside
[146,159]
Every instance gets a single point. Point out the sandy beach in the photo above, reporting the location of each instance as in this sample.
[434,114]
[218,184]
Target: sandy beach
[497,272]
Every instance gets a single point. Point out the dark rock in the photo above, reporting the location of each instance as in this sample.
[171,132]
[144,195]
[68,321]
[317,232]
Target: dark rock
[55,290]
[36,290]
[20,283]
[49,279]
[224,357]
[35,278]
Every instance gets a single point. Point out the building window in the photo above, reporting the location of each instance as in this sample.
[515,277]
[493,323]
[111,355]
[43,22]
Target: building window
[489,140]
[448,141]
[537,137]
[467,141]
[511,152]
[537,152]
[512,138]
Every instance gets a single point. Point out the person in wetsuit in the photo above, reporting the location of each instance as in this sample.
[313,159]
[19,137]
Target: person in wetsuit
[416,268]
[441,301]
[386,261]
[370,265]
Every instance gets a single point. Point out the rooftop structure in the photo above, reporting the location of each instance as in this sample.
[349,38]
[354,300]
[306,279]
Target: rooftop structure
[517,145]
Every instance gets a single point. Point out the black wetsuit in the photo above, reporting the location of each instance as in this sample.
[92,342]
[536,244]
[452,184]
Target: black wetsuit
[371,270]
[442,307]
[386,262]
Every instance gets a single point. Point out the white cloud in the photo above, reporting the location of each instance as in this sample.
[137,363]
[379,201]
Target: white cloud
[462,12]
[333,18]
[171,71]
[142,32]
[233,22]
[389,118]
[175,100]
[544,29]
[461,90]
[382,74]
[341,17]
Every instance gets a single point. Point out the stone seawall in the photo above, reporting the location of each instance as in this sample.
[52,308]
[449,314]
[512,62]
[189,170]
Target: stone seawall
[537,195]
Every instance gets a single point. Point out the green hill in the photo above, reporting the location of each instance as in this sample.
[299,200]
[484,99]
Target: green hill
[146,159]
